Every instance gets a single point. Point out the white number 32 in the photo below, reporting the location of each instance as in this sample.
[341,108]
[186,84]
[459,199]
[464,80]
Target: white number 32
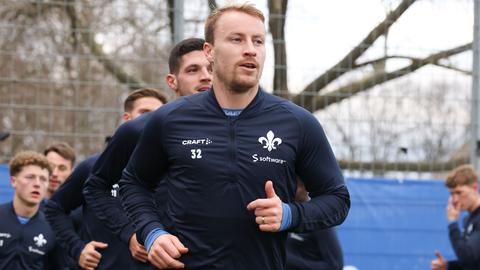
[196,153]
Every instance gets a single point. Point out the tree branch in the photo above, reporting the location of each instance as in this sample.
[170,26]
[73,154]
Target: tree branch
[212,5]
[88,38]
[323,101]
[348,61]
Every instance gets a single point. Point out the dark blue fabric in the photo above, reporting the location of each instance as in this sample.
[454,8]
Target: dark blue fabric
[27,246]
[215,165]
[466,244]
[68,198]
[318,250]
[107,171]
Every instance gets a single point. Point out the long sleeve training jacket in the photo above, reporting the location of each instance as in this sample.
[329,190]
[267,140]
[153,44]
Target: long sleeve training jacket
[107,172]
[467,244]
[214,165]
[70,197]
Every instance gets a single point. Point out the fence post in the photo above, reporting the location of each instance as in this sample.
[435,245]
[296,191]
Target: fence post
[178,21]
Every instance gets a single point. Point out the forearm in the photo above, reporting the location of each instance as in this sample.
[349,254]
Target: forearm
[107,208]
[322,211]
[139,204]
[64,230]
[466,249]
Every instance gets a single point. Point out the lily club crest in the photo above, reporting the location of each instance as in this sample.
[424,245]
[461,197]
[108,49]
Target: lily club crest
[40,240]
[270,142]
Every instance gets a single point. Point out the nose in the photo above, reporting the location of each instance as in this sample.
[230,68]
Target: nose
[55,171]
[250,49]
[37,181]
[206,75]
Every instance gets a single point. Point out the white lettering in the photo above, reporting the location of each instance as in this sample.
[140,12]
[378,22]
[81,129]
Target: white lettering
[206,141]
[6,235]
[34,250]
[257,158]
[196,153]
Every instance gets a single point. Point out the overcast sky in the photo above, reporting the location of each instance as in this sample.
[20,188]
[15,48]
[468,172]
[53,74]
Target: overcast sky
[320,33]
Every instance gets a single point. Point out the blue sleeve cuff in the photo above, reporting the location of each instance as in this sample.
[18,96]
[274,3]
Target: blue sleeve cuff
[154,234]
[286,217]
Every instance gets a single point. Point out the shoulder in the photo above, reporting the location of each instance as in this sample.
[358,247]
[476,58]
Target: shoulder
[131,129]
[286,107]
[179,108]
[5,209]
[87,164]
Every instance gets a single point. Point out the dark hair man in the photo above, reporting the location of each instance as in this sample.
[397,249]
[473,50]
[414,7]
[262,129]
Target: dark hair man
[230,157]
[62,157]
[94,246]
[190,72]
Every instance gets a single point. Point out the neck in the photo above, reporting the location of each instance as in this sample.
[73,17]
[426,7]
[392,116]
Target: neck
[23,209]
[48,194]
[228,98]
[476,205]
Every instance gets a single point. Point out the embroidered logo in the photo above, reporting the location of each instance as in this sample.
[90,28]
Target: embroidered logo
[205,141]
[115,190]
[270,141]
[470,228]
[40,240]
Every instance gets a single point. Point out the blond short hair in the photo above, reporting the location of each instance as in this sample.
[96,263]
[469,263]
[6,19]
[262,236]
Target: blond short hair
[212,19]
[463,175]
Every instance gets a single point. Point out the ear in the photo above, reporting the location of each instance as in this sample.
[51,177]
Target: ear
[475,186]
[172,82]
[208,51]
[126,116]
[13,181]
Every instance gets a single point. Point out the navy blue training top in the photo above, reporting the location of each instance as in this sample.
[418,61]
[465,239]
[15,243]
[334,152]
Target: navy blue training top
[26,246]
[318,250]
[107,172]
[68,198]
[214,165]
[466,244]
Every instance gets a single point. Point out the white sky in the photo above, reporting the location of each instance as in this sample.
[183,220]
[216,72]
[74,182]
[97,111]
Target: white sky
[319,33]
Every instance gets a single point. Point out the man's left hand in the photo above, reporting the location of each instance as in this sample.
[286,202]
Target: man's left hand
[138,251]
[268,211]
[440,263]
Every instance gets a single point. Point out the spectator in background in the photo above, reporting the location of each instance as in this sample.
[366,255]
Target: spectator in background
[462,183]
[94,246]
[317,250]
[62,157]
[26,239]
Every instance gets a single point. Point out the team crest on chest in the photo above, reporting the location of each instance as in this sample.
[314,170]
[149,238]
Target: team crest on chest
[40,240]
[270,142]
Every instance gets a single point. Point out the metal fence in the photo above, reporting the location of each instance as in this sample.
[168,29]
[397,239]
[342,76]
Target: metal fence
[389,80]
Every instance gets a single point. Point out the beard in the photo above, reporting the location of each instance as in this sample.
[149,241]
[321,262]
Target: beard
[237,83]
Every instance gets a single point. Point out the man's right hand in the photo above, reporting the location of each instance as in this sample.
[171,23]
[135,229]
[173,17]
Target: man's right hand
[138,251]
[89,257]
[453,211]
[165,251]
[440,263]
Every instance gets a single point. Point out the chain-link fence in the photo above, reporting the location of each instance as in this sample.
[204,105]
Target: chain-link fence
[389,80]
